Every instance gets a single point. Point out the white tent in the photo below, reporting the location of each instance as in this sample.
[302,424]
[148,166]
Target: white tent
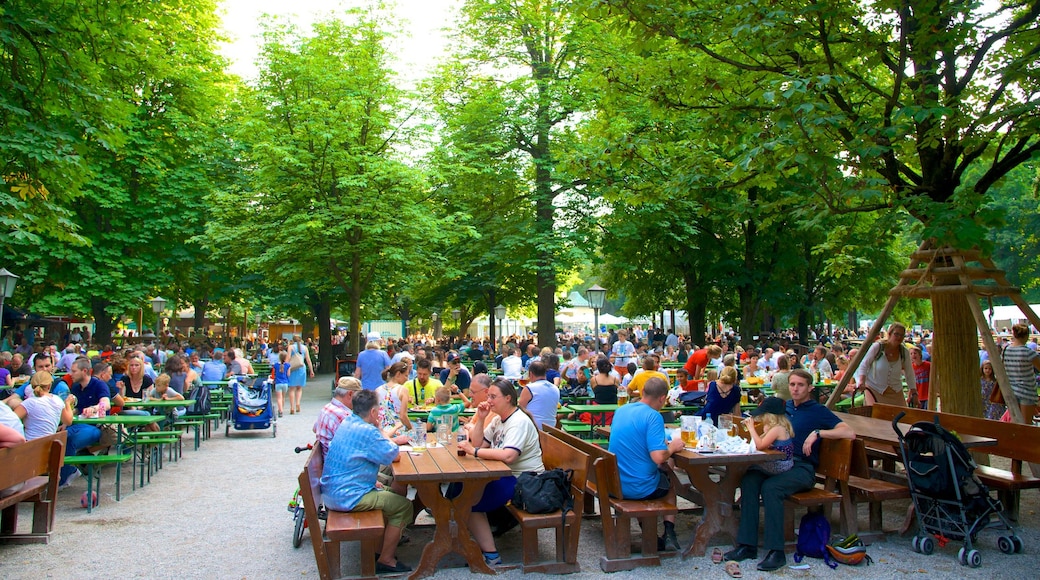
[611,319]
[1000,317]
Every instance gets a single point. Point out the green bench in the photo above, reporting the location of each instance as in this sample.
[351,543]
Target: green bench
[94,463]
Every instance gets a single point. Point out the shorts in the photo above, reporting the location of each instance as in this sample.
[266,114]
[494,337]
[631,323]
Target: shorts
[397,509]
[281,387]
[664,486]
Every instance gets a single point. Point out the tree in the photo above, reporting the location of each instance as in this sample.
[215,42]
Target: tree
[328,192]
[536,50]
[888,107]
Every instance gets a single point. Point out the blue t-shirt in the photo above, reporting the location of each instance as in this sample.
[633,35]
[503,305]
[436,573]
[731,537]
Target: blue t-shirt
[372,362]
[462,380]
[636,431]
[806,418]
[355,454]
[89,395]
[281,373]
[214,370]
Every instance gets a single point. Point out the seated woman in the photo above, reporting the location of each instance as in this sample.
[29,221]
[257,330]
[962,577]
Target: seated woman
[604,383]
[43,412]
[723,396]
[511,438]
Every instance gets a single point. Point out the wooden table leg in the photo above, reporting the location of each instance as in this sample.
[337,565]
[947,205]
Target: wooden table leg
[718,502]
[452,532]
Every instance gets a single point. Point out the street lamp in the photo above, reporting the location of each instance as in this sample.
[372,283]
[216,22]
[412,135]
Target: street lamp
[7,283]
[158,305]
[595,295]
[456,314]
[500,313]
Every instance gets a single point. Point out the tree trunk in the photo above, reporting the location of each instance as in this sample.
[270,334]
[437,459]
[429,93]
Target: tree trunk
[201,305]
[955,367]
[696,307]
[104,323]
[323,313]
[852,322]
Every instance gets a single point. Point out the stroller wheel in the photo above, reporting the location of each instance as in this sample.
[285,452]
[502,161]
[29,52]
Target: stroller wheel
[1006,544]
[974,558]
[1017,542]
[926,545]
[915,544]
[960,556]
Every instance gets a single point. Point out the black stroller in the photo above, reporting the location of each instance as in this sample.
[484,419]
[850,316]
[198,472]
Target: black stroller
[950,502]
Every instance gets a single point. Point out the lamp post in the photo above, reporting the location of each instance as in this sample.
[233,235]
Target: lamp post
[456,314]
[7,283]
[158,305]
[436,315]
[595,295]
[500,313]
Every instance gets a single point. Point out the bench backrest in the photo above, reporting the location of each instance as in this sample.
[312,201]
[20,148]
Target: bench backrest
[1014,440]
[42,456]
[835,459]
[310,493]
[591,450]
[557,453]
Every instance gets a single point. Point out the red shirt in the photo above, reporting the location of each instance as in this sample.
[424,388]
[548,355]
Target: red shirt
[921,377]
[696,364]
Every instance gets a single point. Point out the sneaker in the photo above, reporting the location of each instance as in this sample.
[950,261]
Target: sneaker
[72,477]
[492,559]
[400,566]
[671,543]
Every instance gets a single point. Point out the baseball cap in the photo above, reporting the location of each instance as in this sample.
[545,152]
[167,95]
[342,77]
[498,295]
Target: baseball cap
[452,357]
[773,405]
[374,335]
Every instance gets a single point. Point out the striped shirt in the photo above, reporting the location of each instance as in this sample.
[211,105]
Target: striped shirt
[1018,361]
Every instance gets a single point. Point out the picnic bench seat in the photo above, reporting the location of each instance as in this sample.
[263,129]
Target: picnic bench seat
[872,490]
[36,466]
[556,454]
[1015,441]
[94,463]
[617,513]
[365,527]
[835,463]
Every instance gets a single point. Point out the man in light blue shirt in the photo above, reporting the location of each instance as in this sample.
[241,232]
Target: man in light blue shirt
[214,369]
[348,481]
[370,366]
[642,449]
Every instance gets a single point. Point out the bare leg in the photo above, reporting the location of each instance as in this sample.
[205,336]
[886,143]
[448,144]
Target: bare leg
[481,530]
[281,401]
[1027,413]
[391,535]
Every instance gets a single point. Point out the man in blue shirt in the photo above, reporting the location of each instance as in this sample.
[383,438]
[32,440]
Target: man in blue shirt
[348,481]
[456,375]
[638,440]
[90,392]
[811,422]
[214,369]
[370,366]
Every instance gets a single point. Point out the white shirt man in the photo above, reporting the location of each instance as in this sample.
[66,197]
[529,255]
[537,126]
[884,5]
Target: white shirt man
[623,352]
[512,365]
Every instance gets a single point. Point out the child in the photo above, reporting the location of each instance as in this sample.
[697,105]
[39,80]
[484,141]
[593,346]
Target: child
[632,368]
[161,391]
[280,375]
[778,434]
[442,398]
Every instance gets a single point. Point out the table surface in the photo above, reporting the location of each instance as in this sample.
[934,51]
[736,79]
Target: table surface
[159,403]
[880,431]
[442,464]
[129,420]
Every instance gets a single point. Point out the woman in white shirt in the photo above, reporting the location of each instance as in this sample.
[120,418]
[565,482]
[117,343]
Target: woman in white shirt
[884,368]
[43,412]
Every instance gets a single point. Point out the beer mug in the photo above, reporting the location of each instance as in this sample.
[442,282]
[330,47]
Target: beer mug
[726,424]
[688,428]
[622,396]
[444,430]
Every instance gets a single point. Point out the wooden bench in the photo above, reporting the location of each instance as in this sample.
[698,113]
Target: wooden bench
[1015,441]
[872,490]
[617,513]
[365,527]
[556,454]
[36,465]
[835,464]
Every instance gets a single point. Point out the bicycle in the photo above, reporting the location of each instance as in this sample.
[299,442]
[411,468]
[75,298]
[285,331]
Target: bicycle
[297,510]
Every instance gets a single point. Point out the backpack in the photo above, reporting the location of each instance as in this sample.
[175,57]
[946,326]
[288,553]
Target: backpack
[814,533]
[200,395]
[693,398]
[542,493]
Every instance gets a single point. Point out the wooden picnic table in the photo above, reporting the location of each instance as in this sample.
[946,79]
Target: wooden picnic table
[880,431]
[426,471]
[717,497]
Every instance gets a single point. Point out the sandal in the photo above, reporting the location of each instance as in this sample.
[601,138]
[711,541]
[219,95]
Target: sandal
[716,556]
[733,569]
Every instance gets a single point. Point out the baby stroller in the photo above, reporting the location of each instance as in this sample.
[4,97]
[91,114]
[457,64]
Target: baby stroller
[951,503]
[251,407]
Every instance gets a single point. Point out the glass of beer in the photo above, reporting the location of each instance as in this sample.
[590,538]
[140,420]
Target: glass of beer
[726,424]
[622,396]
[688,429]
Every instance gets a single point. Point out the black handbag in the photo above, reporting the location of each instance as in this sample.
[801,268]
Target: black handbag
[542,493]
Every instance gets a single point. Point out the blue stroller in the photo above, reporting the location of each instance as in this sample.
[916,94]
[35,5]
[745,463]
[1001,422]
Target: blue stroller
[251,407]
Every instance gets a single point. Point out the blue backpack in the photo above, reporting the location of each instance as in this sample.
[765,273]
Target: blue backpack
[814,533]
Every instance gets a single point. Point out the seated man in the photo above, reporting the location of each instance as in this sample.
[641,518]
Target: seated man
[214,369]
[349,483]
[90,392]
[423,386]
[335,411]
[642,449]
[456,377]
[651,364]
[811,422]
[234,366]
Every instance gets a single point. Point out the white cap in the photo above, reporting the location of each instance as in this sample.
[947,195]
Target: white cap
[374,335]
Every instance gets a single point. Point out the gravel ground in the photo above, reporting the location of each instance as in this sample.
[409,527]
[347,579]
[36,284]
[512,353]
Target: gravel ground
[220,512]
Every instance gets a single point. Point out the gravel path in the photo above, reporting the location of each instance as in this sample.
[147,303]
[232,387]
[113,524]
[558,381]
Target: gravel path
[220,512]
